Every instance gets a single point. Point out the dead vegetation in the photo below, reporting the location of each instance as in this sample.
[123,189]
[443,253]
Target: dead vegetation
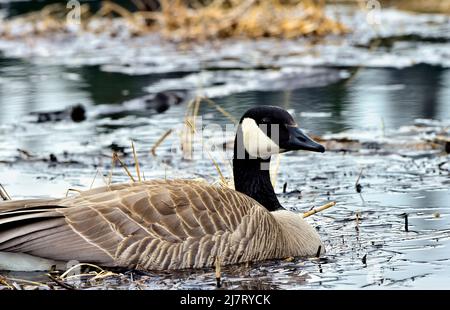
[179,20]
[76,277]
[319,209]
[429,6]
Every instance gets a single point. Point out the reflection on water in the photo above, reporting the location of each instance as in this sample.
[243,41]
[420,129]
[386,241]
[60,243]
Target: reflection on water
[393,97]
[374,98]
[26,87]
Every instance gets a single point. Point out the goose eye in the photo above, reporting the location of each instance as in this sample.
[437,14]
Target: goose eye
[265,120]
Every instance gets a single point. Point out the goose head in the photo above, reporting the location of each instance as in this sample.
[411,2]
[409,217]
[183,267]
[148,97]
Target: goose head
[265,131]
[269,130]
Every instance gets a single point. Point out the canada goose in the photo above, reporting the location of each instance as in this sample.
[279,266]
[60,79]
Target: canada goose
[170,224]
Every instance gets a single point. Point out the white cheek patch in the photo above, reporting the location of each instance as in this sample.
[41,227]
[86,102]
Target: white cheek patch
[256,142]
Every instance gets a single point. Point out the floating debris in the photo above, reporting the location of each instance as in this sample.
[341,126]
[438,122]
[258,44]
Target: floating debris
[405,215]
[60,282]
[180,21]
[163,101]
[52,158]
[75,113]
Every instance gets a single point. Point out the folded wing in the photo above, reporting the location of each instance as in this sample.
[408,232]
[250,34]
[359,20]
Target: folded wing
[148,225]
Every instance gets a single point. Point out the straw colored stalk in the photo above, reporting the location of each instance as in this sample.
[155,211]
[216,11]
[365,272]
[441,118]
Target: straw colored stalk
[117,158]
[218,272]
[188,131]
[7,281]
[160,140]
[319,209]
[68,271]
[136,162]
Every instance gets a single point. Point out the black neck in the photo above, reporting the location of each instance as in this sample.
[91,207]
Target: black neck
[252,177]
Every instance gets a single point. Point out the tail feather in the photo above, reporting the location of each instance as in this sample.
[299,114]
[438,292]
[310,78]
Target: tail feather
[10,236]
[35,227]
[20,218]
[26,204]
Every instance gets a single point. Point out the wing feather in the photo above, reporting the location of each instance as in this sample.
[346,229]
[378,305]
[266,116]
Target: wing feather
[153,225]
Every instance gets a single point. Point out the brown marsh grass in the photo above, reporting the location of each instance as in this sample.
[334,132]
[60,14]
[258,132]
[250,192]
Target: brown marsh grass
[179,20]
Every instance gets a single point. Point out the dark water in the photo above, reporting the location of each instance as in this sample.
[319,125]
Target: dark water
[395,97]
[373,98]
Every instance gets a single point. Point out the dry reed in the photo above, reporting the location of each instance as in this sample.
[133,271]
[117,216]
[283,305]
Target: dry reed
[160,140]
[136,162]
[117,158]
[319,209]
[179,20]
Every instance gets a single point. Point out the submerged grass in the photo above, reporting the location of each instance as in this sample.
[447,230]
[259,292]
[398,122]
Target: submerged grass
[116,158]
[71,279]
[136,162]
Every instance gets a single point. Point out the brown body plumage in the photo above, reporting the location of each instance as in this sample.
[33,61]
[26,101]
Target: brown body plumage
[159,225]
[175,224]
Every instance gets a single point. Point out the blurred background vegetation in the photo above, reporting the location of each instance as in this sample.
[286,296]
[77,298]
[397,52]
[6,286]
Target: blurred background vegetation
[207,19]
